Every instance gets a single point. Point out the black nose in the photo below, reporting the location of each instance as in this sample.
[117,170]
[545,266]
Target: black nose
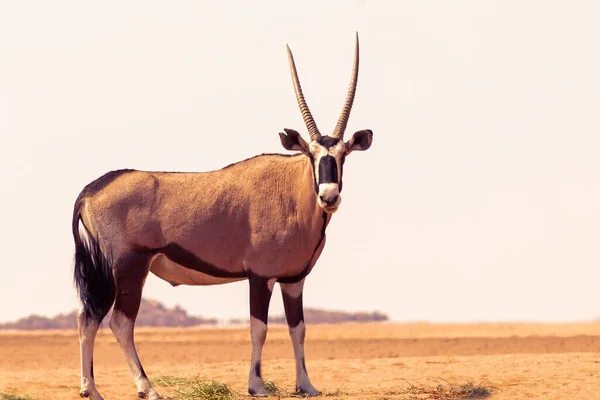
[330,200]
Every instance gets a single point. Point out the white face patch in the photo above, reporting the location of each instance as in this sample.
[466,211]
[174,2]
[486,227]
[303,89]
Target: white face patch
[329,190]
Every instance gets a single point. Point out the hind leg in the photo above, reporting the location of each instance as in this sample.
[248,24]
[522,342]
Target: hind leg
[130,276]
[88,327]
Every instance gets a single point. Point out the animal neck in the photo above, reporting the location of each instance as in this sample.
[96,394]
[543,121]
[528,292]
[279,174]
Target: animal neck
[306,195]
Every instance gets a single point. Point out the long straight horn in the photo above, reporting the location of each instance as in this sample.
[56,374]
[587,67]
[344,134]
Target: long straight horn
[340,128]
[313,131]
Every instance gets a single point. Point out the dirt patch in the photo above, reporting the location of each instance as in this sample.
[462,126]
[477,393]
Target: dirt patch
[373,361]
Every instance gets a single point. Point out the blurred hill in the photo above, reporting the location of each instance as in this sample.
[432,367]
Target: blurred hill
[317,316]
[153,313]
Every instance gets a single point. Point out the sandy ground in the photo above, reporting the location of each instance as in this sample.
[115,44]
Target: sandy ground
[365,361]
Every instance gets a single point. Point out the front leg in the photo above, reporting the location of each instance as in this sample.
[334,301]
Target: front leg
[260,296]
[294,313]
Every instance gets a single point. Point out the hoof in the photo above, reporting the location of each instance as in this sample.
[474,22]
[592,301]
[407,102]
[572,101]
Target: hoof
[308,392]
[150,394]
[93,395]
[258,393]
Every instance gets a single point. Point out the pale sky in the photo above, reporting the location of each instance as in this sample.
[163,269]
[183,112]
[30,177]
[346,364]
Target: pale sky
[478,201]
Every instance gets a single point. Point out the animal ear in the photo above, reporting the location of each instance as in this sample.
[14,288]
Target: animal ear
[292,140]
[361,140]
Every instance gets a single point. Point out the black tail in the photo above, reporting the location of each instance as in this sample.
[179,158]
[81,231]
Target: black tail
[93,273]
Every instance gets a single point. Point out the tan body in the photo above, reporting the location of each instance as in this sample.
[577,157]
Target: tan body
[230,218]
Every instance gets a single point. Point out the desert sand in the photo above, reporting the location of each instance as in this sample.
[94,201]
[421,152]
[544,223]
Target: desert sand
[359,361]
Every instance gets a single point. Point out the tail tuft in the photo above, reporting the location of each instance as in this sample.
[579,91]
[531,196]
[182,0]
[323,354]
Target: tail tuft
[93,275]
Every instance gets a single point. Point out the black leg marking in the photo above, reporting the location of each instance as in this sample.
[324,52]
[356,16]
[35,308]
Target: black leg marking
[257,370]
[304,365]
[143,372]
[294,312]
[260,296]
[130,273]
[92,369]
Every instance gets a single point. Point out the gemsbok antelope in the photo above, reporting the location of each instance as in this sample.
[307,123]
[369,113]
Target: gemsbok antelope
[262,219]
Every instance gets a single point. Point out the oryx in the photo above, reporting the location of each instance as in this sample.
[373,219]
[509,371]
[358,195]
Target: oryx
[262,219]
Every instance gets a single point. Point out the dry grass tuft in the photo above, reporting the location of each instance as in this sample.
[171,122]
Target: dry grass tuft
[274,389]
[446,391]
[206,390]
[170,381]
[14,396]
[336,393]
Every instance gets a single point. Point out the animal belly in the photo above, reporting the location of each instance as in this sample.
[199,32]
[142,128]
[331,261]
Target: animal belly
[177,274]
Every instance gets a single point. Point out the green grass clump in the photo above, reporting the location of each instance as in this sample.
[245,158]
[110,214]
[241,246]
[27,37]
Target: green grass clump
[206,390]
[14,396]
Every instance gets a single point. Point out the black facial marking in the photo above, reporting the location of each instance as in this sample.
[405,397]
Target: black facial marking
[294,312]
[260,296]
[312,163]
[327,141]
[257,369]
[342,161]
[328,172]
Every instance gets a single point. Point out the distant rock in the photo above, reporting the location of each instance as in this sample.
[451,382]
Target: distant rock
[152,313]
[33,322]
[318,316]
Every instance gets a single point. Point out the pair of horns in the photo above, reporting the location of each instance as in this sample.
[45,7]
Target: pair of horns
[307,116]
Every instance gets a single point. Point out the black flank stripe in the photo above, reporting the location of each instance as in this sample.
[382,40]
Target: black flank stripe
[186,258]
